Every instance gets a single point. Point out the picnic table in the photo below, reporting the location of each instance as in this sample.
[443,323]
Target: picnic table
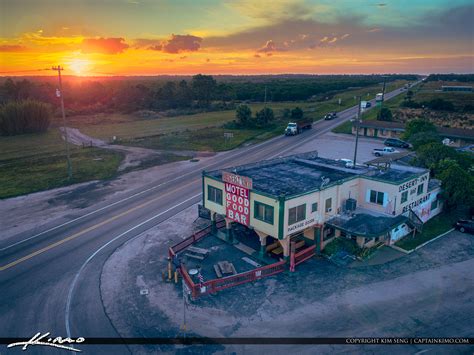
[224,268]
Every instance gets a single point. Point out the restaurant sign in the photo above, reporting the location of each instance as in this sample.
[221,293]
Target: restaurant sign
[237,197]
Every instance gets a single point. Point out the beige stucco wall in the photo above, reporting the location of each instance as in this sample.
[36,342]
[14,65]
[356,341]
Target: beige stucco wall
[364,194]
[412,192]
[260,225]
[214,207]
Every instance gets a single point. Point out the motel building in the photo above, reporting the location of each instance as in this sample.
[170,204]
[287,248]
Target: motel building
[311,201]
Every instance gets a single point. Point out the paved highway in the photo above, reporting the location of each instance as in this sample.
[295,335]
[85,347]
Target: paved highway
[49,282]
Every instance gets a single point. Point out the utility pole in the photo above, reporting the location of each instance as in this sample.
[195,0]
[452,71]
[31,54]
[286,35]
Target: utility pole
[383,92]
[357,133]
[59,93]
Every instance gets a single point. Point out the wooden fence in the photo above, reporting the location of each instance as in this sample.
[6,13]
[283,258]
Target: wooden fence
[175,249]
[301,256]
[216,285]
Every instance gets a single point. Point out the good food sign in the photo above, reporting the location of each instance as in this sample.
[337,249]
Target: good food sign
[237,197]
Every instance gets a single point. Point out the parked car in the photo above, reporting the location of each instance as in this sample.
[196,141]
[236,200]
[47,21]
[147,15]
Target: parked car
[385,151]
[464,225]
[394,142]
[330,116]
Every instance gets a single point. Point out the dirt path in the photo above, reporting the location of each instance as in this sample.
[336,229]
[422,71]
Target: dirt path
[134,156]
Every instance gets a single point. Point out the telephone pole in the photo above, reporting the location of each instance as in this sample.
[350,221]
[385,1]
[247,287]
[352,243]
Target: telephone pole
[357,133]
[59,93]
[383,92]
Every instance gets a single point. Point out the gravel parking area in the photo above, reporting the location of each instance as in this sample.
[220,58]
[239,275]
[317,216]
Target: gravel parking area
[425,294]
[337,146]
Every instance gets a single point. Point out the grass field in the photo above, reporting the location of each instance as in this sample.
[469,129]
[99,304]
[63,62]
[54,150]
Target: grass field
[26,175]
[431,229]
[35,162]
[204,131]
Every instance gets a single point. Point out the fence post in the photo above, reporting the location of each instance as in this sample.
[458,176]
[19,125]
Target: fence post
[292,256]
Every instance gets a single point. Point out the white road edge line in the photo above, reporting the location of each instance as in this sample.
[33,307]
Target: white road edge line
[71,288]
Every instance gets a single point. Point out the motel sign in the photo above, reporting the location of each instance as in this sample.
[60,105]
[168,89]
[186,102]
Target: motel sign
[237,197]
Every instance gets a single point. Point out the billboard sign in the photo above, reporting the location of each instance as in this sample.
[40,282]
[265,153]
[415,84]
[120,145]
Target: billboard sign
[237,197]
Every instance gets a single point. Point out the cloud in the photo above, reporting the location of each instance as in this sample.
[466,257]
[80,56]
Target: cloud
[104,45]
[175,44]
[12,48]
[270,46]
[182,43]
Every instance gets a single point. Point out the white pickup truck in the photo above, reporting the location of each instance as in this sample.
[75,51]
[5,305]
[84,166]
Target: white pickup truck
[384,151]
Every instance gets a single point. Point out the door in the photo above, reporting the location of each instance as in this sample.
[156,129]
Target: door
[376,131]
[365,131]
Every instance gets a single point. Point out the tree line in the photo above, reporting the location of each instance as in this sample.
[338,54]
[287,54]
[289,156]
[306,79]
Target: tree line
[202,92]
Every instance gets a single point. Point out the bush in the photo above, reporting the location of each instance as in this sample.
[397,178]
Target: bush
[296,113]
[384,114]
[243,115]
[20,117]
[440,105]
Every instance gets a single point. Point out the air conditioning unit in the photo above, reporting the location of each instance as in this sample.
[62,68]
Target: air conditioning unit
[351,204]
[329,210]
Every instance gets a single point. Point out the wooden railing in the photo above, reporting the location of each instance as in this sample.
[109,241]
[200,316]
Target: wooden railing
[216,285]
[175,249]
[301,256]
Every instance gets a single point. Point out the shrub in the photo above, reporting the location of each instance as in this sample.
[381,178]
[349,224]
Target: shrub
[20,117]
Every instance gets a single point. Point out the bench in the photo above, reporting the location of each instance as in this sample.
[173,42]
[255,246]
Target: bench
[277,251]
[299,244]
[194,256]
[218,272]
[272,246]
[251,262]
[198,250]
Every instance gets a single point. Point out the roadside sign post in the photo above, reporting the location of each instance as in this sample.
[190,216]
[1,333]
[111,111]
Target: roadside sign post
[227,137]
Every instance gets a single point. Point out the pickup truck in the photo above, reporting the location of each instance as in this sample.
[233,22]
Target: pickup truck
[384,151]
[297,127]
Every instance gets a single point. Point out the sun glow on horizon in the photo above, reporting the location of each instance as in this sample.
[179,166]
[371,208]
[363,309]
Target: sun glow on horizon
[80,67]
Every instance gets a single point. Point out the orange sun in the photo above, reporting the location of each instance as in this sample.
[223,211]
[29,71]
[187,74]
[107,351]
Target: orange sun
[79,66]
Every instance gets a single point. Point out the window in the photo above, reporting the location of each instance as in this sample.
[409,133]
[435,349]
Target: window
[314,207]
[263,212]
[404,196]
[434,204]
[297,214]
[328,205]
[376,197]
[214,194]
[420,189]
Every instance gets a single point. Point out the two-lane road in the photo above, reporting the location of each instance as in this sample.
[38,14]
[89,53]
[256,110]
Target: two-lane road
[49,282]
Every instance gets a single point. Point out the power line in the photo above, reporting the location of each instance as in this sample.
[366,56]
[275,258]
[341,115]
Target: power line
[22,71]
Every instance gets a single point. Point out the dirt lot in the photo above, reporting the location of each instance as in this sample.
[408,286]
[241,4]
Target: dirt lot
[425,294]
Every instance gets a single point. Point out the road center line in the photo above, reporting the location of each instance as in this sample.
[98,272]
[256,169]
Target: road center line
[84,231]
[76,277]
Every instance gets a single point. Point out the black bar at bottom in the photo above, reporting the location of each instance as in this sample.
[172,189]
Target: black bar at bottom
[261,341]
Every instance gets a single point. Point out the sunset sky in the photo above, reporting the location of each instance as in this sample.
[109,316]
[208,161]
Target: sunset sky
[144,37]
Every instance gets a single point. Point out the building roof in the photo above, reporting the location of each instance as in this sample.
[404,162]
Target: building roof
[395,126]
[366,225]
[304,173]
[400,127]
[434,184]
